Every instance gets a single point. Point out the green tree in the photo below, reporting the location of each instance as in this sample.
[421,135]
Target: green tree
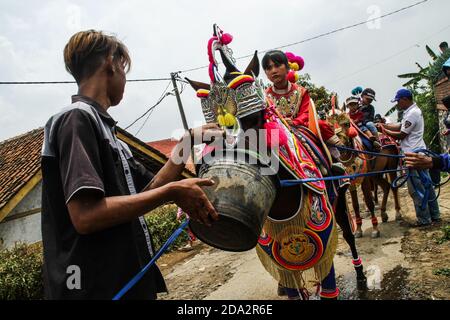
[422,84]
[320,95]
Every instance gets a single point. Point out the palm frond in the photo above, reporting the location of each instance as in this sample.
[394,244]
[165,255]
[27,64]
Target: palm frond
[431,53]
[391,111]
[410,75]
[411,82]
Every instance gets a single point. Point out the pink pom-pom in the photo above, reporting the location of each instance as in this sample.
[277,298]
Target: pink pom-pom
[290,56]
[274,131]
[301,63]
[291,76]
[226,39]
[295,59]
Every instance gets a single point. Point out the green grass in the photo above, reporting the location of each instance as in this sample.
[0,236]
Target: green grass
[446,234]
[442,272]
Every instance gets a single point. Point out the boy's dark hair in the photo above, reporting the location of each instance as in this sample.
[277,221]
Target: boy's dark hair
[86,51]
[443,45]
[277,57]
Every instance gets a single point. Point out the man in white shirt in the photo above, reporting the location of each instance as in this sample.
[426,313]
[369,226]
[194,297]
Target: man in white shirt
[410,133]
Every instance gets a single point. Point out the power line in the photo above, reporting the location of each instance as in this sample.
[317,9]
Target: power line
[323,34]
[72,82]
[164,95]
[238,58]
[153,108]
[388,58]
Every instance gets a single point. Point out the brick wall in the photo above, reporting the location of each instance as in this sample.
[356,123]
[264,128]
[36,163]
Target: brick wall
[442,89]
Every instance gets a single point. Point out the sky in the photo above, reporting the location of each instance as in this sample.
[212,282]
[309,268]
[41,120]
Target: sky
[167,36]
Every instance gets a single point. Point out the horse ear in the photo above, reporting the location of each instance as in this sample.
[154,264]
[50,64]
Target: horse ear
[230,67]
[198,85]
[253,67]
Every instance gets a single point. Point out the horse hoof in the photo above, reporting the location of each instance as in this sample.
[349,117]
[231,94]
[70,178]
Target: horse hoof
[384,217]
[398,216]
[375,234]
[358,234]
[361,284]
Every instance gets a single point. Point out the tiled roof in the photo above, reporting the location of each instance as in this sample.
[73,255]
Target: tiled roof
[20,159]
[166,146]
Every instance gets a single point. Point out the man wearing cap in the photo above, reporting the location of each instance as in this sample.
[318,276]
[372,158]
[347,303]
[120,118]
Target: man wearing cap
[410,132]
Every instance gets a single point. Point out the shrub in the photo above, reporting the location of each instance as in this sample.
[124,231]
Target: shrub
[446,234]
[162,222]
[442,272]
[21,273]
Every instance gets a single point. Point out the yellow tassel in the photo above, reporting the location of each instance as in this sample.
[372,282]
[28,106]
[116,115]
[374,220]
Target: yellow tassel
[221,120]
[230,120]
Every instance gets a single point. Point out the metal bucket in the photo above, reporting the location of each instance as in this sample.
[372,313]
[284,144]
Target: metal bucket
[243,198]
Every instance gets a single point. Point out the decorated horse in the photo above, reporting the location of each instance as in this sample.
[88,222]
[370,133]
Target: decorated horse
[295,234]
[358,161]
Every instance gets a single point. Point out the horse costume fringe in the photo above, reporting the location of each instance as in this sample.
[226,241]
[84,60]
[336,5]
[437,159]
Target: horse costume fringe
[299,279]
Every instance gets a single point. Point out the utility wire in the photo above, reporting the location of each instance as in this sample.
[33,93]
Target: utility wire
[387,58]
[238,58]
[323,34]
[164,95]
[72,82]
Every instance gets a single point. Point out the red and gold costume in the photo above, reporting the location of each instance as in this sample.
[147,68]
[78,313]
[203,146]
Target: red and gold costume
[295,103]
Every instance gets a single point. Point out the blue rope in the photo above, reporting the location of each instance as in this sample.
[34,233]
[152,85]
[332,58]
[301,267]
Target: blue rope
[291,183]
[141,273]
[397,156]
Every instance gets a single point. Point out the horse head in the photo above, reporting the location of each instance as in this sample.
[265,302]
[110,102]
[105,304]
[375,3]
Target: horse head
[343,127]
[235,100]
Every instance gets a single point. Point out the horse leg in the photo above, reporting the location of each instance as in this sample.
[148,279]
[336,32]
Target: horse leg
[398,212]
[344,223]
[329,290]
[386,188]
[369,202]
[355,204]
[375,194]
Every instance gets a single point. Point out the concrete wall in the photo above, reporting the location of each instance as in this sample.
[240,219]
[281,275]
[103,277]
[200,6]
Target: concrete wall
[20,226]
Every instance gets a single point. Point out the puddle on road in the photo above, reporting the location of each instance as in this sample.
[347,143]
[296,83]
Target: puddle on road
[394,286]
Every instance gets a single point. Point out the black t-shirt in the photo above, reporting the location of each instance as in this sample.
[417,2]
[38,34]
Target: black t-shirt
[81,152]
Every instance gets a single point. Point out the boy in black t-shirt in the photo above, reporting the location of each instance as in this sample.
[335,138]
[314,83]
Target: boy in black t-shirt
[95,193]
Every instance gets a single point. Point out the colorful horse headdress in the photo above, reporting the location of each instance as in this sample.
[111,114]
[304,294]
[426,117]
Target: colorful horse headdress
[236,94]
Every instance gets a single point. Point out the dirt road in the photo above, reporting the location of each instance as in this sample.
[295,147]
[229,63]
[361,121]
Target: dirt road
[404,263]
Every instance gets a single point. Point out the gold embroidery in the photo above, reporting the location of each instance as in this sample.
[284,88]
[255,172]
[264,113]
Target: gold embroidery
[288,105]
[296,248]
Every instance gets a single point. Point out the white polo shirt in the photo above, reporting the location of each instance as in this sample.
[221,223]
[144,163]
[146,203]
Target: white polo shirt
[413,126]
